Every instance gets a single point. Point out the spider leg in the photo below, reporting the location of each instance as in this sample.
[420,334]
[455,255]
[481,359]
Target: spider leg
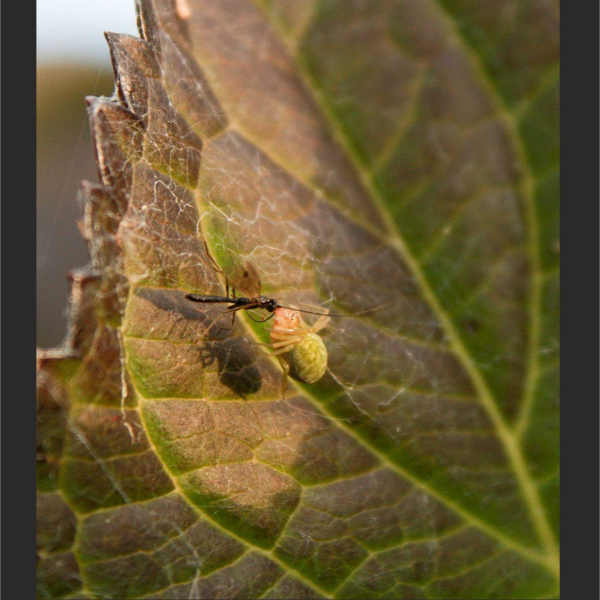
[289,342]
[279,329]
[284,365]
[282,332]
[286,369]
[320,323]
[299,333]
[274,351]
[323,311]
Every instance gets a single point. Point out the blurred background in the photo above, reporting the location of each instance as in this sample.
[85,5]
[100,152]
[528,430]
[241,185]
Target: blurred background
[72,62]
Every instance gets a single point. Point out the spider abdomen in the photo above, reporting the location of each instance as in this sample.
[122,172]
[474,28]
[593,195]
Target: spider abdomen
[308,359]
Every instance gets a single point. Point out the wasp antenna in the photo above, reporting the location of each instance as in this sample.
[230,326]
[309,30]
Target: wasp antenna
[354,314]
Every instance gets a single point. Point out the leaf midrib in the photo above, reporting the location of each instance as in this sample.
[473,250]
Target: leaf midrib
[506,436]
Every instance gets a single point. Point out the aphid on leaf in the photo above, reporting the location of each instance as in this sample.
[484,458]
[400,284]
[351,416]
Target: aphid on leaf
[300,351]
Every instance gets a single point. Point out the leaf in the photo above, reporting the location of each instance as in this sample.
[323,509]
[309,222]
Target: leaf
[356,153]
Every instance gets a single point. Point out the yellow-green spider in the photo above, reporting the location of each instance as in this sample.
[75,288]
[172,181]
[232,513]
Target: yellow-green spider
[301,352]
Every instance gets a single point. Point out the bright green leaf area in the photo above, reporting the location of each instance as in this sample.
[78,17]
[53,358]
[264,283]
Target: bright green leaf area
[399,155]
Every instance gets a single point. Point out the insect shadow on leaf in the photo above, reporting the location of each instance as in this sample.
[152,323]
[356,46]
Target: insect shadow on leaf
[236,363]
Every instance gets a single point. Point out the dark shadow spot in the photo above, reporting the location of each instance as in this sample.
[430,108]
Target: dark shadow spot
[214,336]
[236,364]
[471,325]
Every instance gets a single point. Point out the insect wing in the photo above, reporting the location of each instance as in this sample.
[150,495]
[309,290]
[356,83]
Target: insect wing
[246,280]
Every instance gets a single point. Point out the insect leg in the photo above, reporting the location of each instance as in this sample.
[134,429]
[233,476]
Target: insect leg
[215,265]
[218,269]
[225,312]
[207,330]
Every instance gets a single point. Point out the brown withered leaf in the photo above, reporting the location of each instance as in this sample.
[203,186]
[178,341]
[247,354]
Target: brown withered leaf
[359,153]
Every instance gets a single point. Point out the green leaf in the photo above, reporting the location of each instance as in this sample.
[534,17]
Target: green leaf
[360,154]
